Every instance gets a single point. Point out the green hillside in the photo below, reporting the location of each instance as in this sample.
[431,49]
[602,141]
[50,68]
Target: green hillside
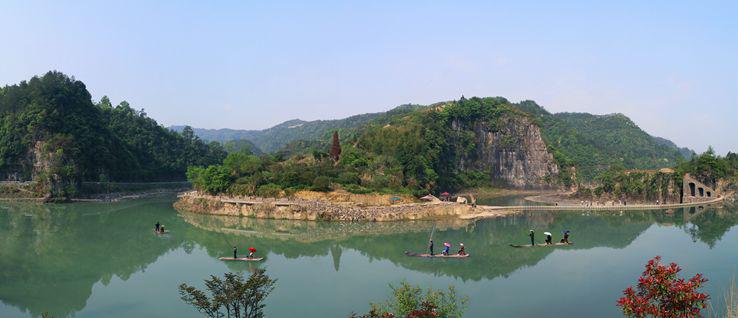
[592,143]
[51,131]
[242,145]
[275,138]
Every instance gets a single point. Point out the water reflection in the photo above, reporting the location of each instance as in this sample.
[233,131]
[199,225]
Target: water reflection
[52,255]
[487,240]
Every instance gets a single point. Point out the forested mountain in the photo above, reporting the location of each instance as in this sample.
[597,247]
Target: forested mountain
[444,147]
[51,131]
[592,143]
[274,138]
[242,145]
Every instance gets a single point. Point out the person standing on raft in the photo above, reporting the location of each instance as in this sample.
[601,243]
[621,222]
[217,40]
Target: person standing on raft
[235,252]
[461,250]
[430,247]
[532,238]
[566,237]
[157,226]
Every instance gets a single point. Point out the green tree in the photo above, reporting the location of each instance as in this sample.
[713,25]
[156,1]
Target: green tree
[232,296]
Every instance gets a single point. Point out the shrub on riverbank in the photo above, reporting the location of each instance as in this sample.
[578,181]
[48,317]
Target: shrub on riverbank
[662,293]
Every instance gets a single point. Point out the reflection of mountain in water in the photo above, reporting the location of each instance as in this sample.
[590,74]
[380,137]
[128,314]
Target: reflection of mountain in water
[487,240]
[311,231]
[706,224]
[52,255]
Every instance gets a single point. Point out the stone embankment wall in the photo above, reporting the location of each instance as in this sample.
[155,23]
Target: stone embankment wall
[298,209]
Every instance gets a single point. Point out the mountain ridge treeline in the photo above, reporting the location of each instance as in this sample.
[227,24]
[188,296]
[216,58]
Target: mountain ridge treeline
[449,146]
[591,143]
[51,131]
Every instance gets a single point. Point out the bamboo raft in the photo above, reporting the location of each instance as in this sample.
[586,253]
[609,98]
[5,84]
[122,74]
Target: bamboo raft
[242,259]
[542,245]
[435,255]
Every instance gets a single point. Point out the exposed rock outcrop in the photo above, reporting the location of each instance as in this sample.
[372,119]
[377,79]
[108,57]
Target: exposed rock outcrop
[512,149]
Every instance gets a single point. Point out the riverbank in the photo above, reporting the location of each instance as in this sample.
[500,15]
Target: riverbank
[299,208]
[91,191]
[494,211]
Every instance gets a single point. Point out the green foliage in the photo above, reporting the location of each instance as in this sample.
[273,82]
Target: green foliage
[411,301]
[322,183]
[212,180]
[280,136]
[269,190]
[592,143]
[709,167]
[243,146]
[706,167]
[54,114]
[437,148]
[232,296]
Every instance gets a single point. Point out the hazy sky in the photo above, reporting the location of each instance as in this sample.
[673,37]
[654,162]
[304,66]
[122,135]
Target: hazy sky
[672,66]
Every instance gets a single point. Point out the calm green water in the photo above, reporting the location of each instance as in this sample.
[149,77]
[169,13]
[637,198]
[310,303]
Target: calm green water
[508,200]
[102,260]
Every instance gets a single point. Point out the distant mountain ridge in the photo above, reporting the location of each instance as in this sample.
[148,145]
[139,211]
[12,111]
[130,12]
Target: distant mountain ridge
[275,138]
[588,142]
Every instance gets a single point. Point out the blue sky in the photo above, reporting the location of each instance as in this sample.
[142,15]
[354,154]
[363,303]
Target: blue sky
[672,66]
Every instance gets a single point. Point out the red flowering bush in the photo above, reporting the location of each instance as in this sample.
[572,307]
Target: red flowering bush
[662,293]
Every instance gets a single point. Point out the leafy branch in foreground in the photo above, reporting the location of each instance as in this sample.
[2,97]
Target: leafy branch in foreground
[411,302]
[232,296]
[662,293]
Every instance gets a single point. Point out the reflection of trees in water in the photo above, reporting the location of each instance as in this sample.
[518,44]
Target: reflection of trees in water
[312,231]
[487,240]
[52,255]
[708,225]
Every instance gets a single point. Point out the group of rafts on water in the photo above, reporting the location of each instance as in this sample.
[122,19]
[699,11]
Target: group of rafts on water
[461,253]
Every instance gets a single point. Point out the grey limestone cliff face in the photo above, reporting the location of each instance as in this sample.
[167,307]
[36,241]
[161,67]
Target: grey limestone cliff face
[512,150]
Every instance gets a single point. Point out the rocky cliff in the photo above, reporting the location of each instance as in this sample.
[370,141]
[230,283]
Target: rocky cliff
[512,150]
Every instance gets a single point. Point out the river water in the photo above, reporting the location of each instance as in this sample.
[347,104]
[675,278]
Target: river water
[102,259]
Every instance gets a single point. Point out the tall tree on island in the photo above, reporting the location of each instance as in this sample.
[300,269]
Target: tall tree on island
[336,147]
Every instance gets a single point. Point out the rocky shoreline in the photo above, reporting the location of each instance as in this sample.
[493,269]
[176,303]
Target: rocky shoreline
[300,208]
[313,210]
